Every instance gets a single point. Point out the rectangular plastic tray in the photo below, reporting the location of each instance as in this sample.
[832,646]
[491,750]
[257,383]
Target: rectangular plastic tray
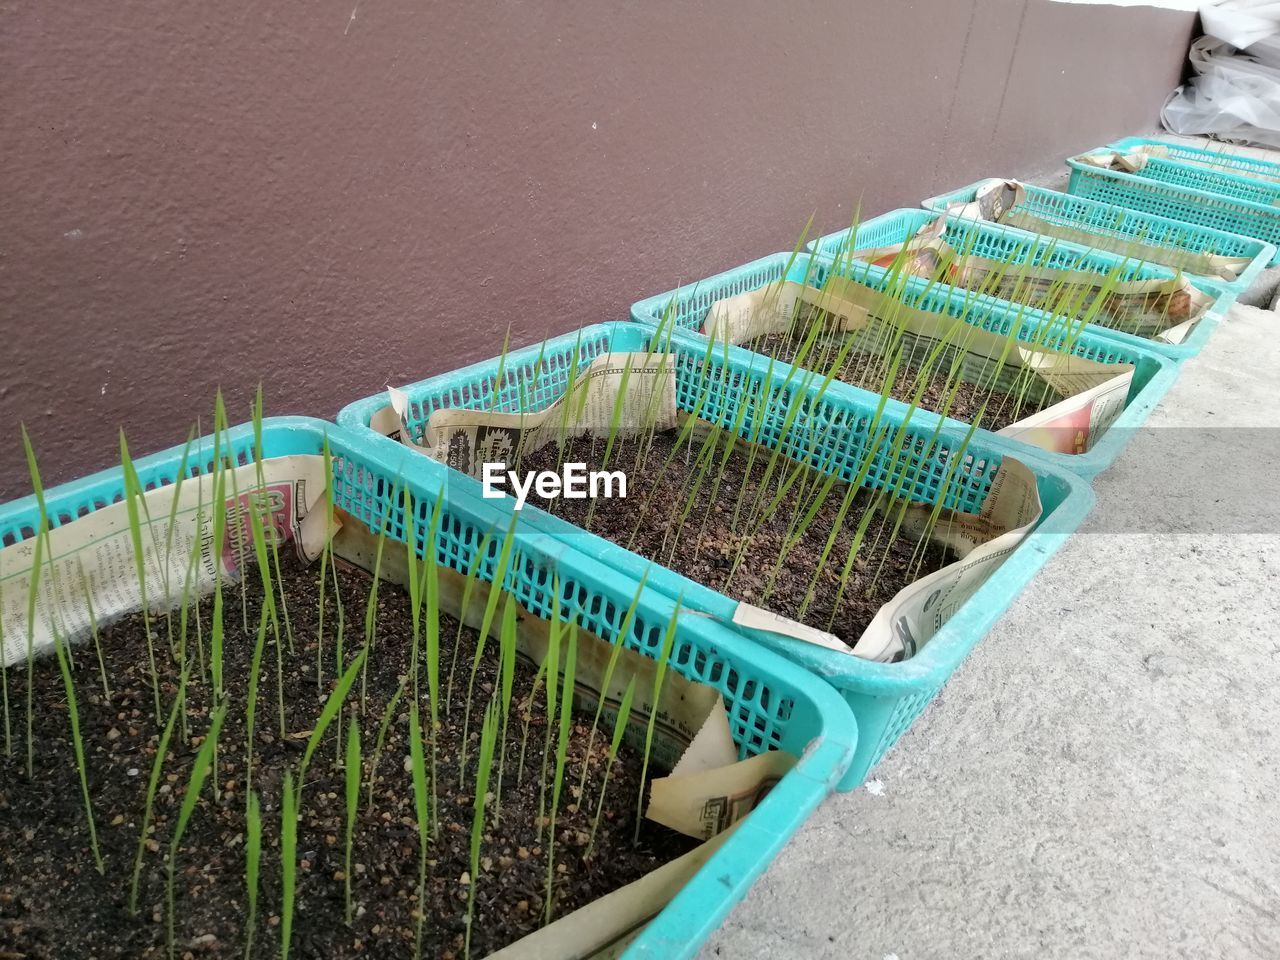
[1115,226]
[771,703]
[831,434]
[1153,373]
[1225,157]
[1179,191]
[981,238]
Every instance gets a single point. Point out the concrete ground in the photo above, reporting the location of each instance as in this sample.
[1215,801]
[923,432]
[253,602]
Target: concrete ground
[1100,779]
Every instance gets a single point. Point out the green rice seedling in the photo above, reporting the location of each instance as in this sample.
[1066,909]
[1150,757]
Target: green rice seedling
[731,444]
[332,707]
[422,811]
[799,402]
[351,776]
[216,630]
[431,571]
[225,467]
[660,343]
[527,718]
[275,546]
[33,594]
[326,558]
[218,525]
[567,407]
[204,762]
[903,500]
[618,645]
[619,728]
[383,727]
[170,529]
[761,399]
[197,596]
[702,462]
[371,607]
[288,862]
[257,534]
[153,782]
[683,435]
[87,592]
[659,675]
[4,685]
[252,868]
[193,559]
[415,585]
[878,432]
[133,496]
[73,715]
[473,570]
[615,422]
[339,638]
[191,597]
[500,377]
[562,747]
[506,673]
[486,622]
[251,697]
[488,736]
[946,485]
[552,663]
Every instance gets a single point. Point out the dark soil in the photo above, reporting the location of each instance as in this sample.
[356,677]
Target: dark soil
[707,545]
[53,903]
[868,372]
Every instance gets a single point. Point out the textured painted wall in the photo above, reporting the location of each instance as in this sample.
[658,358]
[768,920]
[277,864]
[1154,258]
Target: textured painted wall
[335,195]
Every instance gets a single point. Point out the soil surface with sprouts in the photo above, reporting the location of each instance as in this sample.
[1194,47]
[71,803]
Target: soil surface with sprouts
[861,369]
[54,904]
[725,543]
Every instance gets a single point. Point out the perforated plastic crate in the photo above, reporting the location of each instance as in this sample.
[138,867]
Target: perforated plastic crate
[1153,373]
[980,238]
[1116,226]
[771,703]
[1224,157]
[830,433]
[1210,198]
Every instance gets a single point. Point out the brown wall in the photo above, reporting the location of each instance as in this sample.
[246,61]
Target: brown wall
[331,196]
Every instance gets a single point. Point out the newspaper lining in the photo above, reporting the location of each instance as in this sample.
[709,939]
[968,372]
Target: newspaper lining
[95,553]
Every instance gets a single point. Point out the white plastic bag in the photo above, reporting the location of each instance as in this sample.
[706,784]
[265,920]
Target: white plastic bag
[1241,23]
[1235,96]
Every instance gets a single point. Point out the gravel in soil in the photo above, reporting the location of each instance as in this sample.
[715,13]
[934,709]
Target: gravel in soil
[53,903]
[742,556]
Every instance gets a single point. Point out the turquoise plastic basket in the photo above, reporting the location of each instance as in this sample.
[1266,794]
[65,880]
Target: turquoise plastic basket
[1224,201]
[772,703]
[1114,226]
[1223,158]
[1153,373]
[981,238]
[830,433]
